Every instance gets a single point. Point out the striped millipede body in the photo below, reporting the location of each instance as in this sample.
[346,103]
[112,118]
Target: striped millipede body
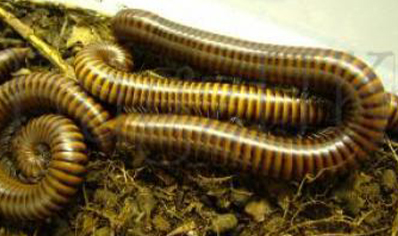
[10,60]
[47,92]
[393,120]
[65,173]
[41,91]
[221,142]
[102,69]
[53,92]
[326,72]
[29,152]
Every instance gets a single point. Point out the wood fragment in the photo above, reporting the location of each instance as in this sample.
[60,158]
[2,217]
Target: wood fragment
[28,34]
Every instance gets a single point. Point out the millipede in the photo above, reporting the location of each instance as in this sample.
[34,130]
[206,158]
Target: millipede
[43,93]
[49,92]
[10,60]
[63,177]
[224,144]
[330,73]
[103,70]
[393,120]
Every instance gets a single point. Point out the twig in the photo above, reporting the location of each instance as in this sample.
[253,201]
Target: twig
[311,223]
[8,41]
[303,206]
[373,232]
[28,34]
[394,153]
[62,33]
[394,228]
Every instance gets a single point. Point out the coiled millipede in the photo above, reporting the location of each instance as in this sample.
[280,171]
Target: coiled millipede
[64,174]
[47,92]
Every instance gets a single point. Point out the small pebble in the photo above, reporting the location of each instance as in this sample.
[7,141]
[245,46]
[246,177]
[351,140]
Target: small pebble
[354,203]
[223,203]
[240,196]
[104,231]
[371,190]
[185,228]
[161,223]
[374,217]
[389,180]
[258,209]
[146,201]
[275,223]
[223,223]
[60,226]
[105,197]
[88,223]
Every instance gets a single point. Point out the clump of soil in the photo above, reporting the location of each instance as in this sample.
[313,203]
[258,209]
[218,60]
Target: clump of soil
[135,192]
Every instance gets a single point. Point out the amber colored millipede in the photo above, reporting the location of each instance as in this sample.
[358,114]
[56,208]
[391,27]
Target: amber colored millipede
[326,72]
[54,92]
[393,120]
[43,91]
[63,177]
[10,60]
[223,143]
[48,92]
[102,69]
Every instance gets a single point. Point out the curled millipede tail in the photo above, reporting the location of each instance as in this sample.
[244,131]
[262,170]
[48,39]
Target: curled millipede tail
[63,177]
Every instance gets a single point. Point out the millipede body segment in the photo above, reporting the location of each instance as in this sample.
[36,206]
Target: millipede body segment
[10,60]
[53,92]
[62,178]
[393,120]
[229,145]
[329,73]
[102,69]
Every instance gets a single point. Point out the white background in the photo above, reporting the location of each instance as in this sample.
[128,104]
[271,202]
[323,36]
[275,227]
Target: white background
[366,28]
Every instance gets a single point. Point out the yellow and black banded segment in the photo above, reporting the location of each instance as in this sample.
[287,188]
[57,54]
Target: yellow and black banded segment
[64,175]
[238,147]
[10,60]
[102,69]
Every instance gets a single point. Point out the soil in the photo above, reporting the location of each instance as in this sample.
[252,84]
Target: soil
[137,192]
